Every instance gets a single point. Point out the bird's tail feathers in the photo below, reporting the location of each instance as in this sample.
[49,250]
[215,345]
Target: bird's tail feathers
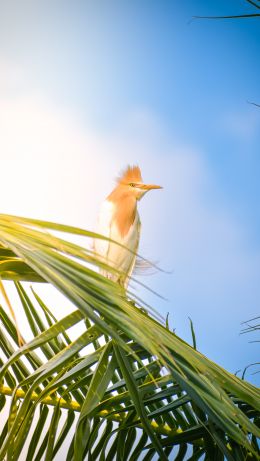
[145,267]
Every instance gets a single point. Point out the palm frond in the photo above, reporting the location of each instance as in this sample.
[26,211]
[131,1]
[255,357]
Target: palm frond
[253,3]
[127,376]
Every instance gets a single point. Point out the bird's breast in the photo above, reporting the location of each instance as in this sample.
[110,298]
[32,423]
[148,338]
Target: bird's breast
[113,254]
[125,212]
[120,257]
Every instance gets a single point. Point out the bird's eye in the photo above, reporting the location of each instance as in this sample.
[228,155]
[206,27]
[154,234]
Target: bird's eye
[132,184]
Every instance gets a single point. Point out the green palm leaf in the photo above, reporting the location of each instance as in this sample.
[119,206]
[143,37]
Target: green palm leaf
[138,381]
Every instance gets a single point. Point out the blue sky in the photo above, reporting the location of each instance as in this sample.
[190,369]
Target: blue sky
[89,86]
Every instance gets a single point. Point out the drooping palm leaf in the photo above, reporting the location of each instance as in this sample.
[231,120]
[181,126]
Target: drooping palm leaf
[255,14]
[157,390]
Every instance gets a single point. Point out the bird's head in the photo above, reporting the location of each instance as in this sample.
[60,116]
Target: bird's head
[131,181]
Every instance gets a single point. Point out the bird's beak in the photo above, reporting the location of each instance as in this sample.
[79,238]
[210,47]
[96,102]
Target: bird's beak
[149,186]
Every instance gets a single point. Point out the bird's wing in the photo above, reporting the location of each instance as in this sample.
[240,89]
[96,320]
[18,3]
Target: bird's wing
[135,249]
[116,256]
[104,228]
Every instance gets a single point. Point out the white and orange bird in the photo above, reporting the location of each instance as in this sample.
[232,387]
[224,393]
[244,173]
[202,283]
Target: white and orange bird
[119,221]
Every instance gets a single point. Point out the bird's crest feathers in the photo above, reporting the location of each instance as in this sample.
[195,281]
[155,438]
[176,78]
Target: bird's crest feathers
[130,174]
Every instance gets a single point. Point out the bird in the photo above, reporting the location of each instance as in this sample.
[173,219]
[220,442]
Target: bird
[119,221]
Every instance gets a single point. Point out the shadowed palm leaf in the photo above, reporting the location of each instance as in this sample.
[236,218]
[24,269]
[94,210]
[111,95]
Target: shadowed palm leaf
[136,391]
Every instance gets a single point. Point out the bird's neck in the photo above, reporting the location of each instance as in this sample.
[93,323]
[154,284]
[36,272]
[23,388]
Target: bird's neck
[125,208]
